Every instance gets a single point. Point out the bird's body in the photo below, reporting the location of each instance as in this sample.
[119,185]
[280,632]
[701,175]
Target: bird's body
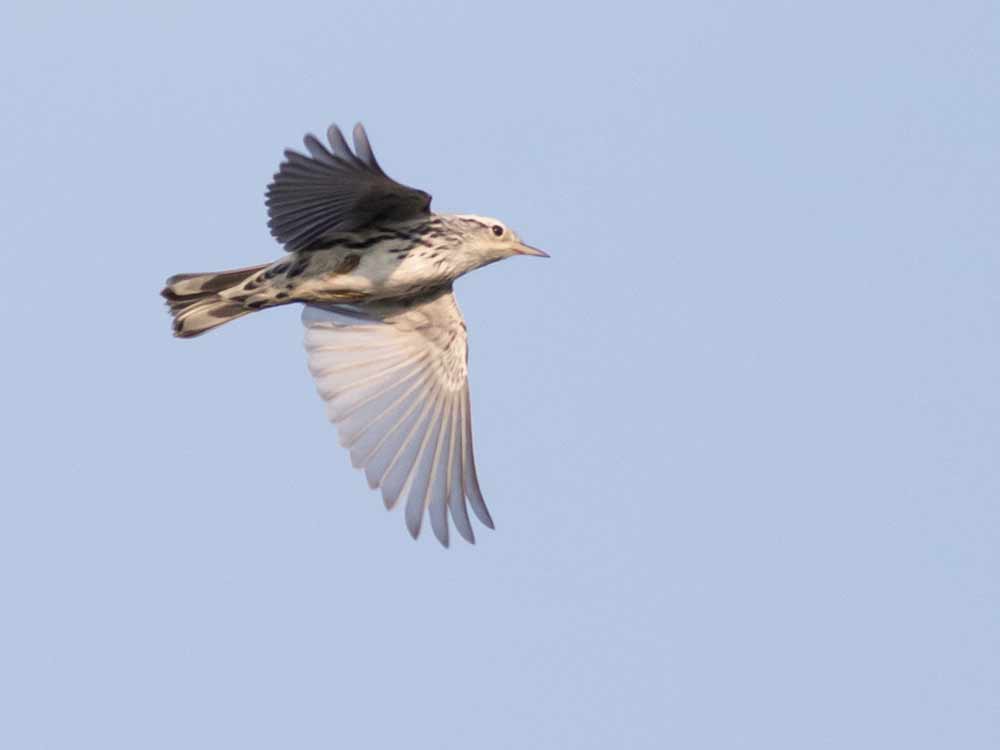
[380,262]
[386,340]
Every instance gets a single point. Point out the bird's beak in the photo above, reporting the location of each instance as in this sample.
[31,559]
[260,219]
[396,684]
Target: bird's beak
[522,249]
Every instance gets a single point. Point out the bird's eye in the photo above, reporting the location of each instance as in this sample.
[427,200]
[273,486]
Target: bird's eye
[497,230]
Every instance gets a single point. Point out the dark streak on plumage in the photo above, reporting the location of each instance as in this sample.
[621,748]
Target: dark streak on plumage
[299,266]
[364,244]
[419,234]
[276,270]
[225,311]
[348,264]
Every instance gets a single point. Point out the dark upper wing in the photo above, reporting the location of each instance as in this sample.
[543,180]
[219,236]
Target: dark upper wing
[335,191]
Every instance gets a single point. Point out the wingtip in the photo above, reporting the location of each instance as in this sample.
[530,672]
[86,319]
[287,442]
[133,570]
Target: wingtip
[414,529]
[464,529]
[363,148]
[471,538]
[483,514]
[337,142]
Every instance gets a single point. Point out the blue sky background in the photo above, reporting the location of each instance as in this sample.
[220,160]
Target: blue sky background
[740,434]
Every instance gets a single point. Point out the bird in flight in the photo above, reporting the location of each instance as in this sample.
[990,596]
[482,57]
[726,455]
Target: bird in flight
[386,342]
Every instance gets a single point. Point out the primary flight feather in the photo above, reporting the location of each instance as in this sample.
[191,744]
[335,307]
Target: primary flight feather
[386,342]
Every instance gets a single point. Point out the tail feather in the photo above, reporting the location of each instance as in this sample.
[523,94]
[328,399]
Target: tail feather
[196,301]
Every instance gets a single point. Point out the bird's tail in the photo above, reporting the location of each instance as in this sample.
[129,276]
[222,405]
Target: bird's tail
[197,301]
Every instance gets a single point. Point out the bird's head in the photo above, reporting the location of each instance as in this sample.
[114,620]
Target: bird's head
[491,240]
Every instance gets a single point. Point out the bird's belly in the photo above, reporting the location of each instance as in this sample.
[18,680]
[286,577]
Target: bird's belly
[407,272]
[373,275]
